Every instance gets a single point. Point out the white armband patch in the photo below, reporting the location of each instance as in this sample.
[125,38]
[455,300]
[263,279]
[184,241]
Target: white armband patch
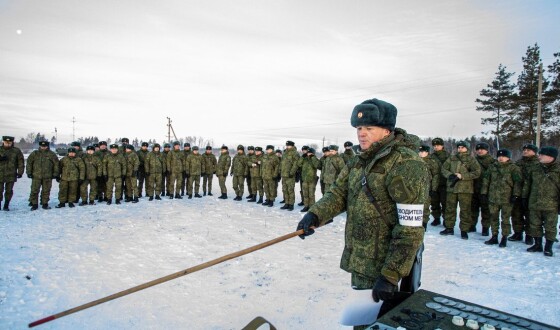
[410,215]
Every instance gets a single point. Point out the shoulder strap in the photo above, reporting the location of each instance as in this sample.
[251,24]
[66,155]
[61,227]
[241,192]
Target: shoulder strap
[369,194]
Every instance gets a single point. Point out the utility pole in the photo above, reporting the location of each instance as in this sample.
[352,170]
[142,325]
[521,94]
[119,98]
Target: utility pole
[73,129]
[323,141]
[539,105]
[169,130]
[56,135]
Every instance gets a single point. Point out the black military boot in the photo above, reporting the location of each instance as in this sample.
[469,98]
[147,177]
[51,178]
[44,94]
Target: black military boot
[30,204]
[70,204]
[503,242]
[177,196]
[6,206]
[60,205]
[91,202]
[100,199]
[210,194]
[158,198]
[45,207]
[464,235]
[197,195]
[548,248]
[436,222]
[127,199]
[204,193]
[118,201]
[447,231]
[260,201]
[282,201]
[34,207]
[492,241]
[305,209]
[223,196]
[301,204]
[290,207]
[537,247]
[182,193]
[285,206]
[171,197]
[250,196]
[151,198]
[135,200]
[529,240]
[252,199]
[516,237]
[485,231]
[83,203]
[109,202]
[190,196]
[265,203]
[270,203]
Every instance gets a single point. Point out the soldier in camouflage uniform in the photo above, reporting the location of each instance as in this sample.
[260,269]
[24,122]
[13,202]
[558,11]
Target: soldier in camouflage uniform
[304,150]
[239,171]
[288,168]
[348,152]
[101,183]
[255,173]
[224,163]
[480,207]
[114,171]
[132,164]
[519,214]
[270,171]
[541,196]
[309,165]
[210,165]
[278,153]
[438,199]
[155,167]
[501,188]
[142,154]
[73,173]
[166,178]
[11,168]
[250,159]
[94,169]
[96,147]
[333,166]
[384,216]
[322,161]
[176,165]
[77,145]
[434,168]
[194,166]
[459,170]
[186,152]
[42,167]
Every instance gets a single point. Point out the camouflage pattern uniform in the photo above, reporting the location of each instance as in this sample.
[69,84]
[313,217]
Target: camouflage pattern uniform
[224,163]
[435,174]
[309,165]
[142,181]
[270,171]
[333,166]
[73,172]
[94,170]
[186,152]
[255,173]
[166,178]
[132,165]
[239,171]
[210,167]
[42,167]
[250,159]
[479,207]
[289,167]
[322,162]
[194,167]
[155,167]
[347,155]
[114,170]
[519,215]
[11,168]
[376,241]
[176,165]
[439,198]
[101,183]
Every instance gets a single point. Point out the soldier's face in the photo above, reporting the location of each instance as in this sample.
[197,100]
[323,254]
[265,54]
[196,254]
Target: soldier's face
[423,154]
[208,152]
[71,154]
[96,148]
[195,152]
[503,159]
[103,147]
[156,149]
[481,152]
[90,152]
[239,152]
[269,151]
[114,151]
[6,144]
[144,148]
[43,147]
[528,153]
[461,149]
[368,135]
[438,147]
[223,151]
[176,147]
[545,159]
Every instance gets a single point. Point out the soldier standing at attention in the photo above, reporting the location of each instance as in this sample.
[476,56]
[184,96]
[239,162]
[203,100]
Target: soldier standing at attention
[322,161]
[376,188]
[194,167]
[94,169]
[42,168]
[541,196]
[142,154]
[433,167]
[155,167]
[348,152]
[250,159]
[519,214]
[278,153]
[333,166]
[186,152]
[12,165]
[439,198]
[459,170]
[73,173]
[114,171]
[101,183]
[224,163]
[500,189]
[309,166]
[270,169]
[289,167]
[176,165]
[132,164]
[210,165]
[255,173]
[78,147]
[480,207]
[166,178]
[239,171]
[304,150]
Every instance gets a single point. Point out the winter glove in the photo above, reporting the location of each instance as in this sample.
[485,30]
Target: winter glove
[525,203]
[483,199]
[513,199]
[57,179]
[308,220]
[231,174]
[30,176]
[3,158]
[383,289]
[19,176]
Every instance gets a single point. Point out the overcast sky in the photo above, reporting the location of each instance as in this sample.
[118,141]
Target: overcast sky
[257,72]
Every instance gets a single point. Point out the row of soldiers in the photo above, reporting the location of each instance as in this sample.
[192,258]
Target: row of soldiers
[524,194]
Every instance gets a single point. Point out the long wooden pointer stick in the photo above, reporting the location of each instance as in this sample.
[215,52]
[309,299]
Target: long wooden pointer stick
[167,278]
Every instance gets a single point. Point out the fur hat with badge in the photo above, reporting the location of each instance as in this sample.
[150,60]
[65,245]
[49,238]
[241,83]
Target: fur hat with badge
[374,112]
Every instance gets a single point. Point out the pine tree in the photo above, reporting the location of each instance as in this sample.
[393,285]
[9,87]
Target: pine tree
[552,95]
[498,100]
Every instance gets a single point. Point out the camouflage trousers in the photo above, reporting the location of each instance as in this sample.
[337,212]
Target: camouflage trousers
[257,186]
[464,200]
[176,183]
[184,184]
[193,180]
[92,190]
[544,223]
[438,202]
[238,185]
[495,218]
[222,183]
[270,189]
[288,190]
[520,218]
[309,189]
[166,183]
[6,190]
[131,187]
[207,183]
[36,185]
[117,184]
[480,209]
[154,184]
[142,181]
[249,185]
[67,191]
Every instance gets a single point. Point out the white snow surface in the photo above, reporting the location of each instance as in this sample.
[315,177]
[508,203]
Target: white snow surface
[58,259]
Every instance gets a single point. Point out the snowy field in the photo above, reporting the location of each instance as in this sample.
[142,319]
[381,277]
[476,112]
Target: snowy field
[54,260]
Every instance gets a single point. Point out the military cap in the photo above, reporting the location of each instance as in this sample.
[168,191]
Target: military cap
[76,144]
[224,148]
[240,147]
[250,148]
[258,149]
[549,151]
[278,151]
[195,148]
[482,145]
[186,144]
[208,148]
[333,147]
[44,143]
[437,142]
[130,146]
[325,149]
[311,150]
[374,112]
[144,144]
[504,153]
[305,148]
[167,145]
[95,145]
[90,148]
[71,149]
[271,147]
[156,146]
[290,143]
[114,146]
[125,140]
[424,148]
[531,147]
[348,144]
[463,144]
[176,143]
[103,143]
[8,138]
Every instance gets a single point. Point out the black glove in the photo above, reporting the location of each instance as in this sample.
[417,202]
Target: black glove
[308,220]
[80,182]
[483,199]
[453,179]
[106,178]
[19,176]
[513,199]
[231,174]
[57,179]
[525,203]
[383,289]
[3,158]
[30,176]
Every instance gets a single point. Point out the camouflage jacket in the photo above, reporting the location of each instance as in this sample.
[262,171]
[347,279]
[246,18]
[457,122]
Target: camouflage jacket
[11,164]
[210,163]
[224,162]
[542,187]
[176,163]
[194,164]
[72,168]
[322,162]
[43,164]
[308,166]
[347,155]
[114,165]
[440,157]
[155,163]
[239,165]
[289,164]
[132,163]
[94,167]
[379,241]
[270,167]
[485,162]
[142,154]
[332,168]
[101,154]
[469,169]
[255,166]
[435,172]
[525,164]
[501,181]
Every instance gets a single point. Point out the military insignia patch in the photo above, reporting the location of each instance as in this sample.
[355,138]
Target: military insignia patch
[360,115]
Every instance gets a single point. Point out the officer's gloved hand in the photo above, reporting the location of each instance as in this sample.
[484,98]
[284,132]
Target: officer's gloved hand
[57,178]
[19,176]
[308,220]
[483,199]
[383,289]
[513,199]
[231,174]
[30,176]
[525,203]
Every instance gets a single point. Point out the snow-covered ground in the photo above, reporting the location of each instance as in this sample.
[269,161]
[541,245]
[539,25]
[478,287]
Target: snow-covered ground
[51,261]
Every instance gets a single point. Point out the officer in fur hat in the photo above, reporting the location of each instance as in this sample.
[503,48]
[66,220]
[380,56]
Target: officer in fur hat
[289,168]
[224,163]
[42,167]
[480,207]
[239,171]
[438,198]
[11,168]
[210,165]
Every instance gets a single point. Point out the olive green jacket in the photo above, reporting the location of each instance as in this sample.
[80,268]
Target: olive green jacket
[333,165]
[114,165]
[194,164]
[289,164]
[132,163]
[239,165]
[440,157]
[501,181]
[12,164]
[155,163]
[94,167]
[210,163]
[43,164]
[542,187]
[72,168]
[224,163]
[270,167]
[469,169]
